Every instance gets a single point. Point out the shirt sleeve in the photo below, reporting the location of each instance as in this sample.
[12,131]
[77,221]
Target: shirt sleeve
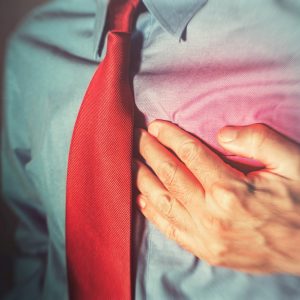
[20,196]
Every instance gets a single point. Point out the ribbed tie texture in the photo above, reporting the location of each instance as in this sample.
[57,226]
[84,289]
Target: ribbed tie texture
[99,177]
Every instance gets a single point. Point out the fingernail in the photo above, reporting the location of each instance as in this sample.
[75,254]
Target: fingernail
[153,128]
[141,202]
[228,134]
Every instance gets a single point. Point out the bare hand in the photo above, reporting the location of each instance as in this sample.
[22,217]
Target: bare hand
[247,222]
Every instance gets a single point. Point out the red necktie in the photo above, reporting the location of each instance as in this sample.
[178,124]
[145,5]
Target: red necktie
[99,185]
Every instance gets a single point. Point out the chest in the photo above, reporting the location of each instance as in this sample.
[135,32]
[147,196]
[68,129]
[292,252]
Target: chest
[235,66]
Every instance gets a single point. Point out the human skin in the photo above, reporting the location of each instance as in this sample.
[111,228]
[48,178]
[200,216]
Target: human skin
[247,222]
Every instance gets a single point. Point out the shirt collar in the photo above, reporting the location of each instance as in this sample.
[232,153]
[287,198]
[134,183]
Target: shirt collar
[173,16]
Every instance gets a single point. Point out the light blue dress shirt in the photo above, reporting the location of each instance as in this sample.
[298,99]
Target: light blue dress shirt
[189,58]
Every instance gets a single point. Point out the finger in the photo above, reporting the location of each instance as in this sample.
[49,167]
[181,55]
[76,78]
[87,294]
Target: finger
[169,229]
[200,160]
[174,175]
[264,144]
[159,198]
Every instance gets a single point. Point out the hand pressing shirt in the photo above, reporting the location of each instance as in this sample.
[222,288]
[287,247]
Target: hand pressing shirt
[247,222]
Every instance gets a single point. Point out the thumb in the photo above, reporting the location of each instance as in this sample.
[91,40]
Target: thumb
[264,144]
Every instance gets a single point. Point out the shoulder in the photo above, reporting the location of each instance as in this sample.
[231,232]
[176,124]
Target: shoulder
[61,29]
[49,62]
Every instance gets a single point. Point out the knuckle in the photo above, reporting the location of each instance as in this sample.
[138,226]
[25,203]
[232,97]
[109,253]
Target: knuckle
[230,201]
[165,205]
[166,172]
[189,150]
[220,227]
[226,197]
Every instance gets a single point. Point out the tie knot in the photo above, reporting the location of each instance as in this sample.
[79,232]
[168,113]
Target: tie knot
[120,14]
